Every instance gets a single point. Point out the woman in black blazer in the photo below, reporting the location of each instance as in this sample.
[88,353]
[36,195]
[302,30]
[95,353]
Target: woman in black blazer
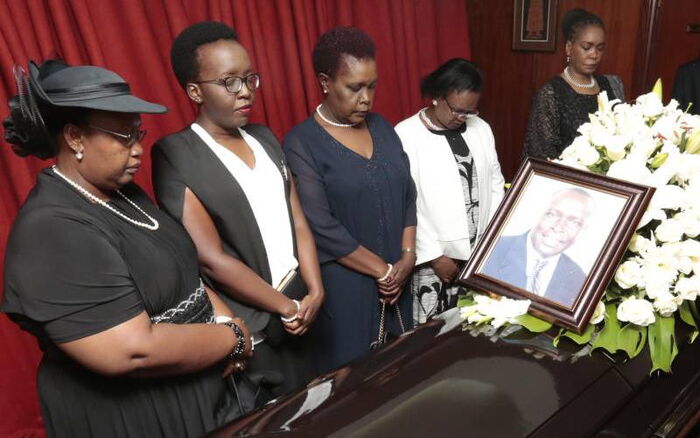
[228,183]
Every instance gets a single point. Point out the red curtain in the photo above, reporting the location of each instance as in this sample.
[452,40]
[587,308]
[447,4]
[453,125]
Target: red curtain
[133,38]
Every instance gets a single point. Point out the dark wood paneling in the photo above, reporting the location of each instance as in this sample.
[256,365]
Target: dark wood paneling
[673,45]
[513,77]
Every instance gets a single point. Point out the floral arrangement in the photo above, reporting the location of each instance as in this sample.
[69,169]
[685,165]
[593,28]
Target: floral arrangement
[656,286]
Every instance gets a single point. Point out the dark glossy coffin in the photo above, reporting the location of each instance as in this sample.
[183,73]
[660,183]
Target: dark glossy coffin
[439,381]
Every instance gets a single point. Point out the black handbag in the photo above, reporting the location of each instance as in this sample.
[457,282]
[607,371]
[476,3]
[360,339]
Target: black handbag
[383,336]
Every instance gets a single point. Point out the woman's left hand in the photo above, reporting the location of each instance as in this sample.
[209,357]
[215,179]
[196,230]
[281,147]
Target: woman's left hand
[308,311]
[403,268]
[310,306]
[399,275]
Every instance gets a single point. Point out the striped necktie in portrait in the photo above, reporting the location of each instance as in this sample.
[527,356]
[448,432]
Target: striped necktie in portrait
[538,277]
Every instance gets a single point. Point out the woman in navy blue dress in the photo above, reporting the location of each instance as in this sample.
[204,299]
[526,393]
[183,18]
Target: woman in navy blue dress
[356,189]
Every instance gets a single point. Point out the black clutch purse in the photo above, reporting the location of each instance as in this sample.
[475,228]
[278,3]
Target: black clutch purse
[292,286]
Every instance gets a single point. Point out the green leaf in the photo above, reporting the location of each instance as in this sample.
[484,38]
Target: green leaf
[465,300]
[607,338]
[662,344]
[534,324]
[632,339]
[581,339]
[689,315]
[686,313]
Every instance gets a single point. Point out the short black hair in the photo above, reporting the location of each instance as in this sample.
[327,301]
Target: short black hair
[183,55]
[575,20]
[339,41]
[457,74]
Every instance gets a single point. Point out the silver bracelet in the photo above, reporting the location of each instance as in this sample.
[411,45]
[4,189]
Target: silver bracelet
[388,271]
[296,315]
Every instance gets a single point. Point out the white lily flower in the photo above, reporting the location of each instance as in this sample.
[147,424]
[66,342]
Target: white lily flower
[637,311]
[598,314]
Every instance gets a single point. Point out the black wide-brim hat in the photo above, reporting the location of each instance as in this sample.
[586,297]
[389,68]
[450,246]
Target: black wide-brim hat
[86,86]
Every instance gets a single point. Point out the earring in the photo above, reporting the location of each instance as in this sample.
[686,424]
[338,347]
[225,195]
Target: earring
[325,91]
[78,155]
[568,59]
[434,102]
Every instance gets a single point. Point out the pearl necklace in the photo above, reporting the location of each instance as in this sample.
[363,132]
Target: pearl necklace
[424,117]
[330,122]
[573,82]
[152,226]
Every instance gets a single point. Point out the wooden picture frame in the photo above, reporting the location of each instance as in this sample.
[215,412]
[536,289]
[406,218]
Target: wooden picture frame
[535,25]
[557,239]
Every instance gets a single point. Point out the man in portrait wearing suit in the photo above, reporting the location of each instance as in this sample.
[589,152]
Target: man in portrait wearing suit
[535,261]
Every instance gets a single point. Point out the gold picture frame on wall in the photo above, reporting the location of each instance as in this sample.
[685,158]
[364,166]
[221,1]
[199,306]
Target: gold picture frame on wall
[535,25]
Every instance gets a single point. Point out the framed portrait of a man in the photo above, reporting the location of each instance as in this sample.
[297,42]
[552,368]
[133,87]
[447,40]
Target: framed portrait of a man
[557,239]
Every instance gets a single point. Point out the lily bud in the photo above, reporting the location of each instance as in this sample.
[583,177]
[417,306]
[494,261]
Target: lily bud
[692,146]
[658,89]
[659,160]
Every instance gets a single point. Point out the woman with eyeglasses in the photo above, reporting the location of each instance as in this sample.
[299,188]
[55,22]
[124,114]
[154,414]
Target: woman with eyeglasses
[458,178]
[356,190]
[108,283]
[228,183]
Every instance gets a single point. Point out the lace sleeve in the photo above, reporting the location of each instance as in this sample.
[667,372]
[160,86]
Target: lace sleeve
[543,139]
[617,87]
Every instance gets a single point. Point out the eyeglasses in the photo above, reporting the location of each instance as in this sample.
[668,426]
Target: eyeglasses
[234,84]
[129,139]
[461,115]
[557,218]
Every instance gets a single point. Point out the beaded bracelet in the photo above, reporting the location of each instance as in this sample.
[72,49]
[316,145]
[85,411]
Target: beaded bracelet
[296,314]
[239,348]
[388,271]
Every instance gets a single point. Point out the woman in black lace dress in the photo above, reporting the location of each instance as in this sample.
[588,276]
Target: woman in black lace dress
[563,103]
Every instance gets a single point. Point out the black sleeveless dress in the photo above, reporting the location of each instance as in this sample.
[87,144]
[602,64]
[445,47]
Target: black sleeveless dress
[74,269]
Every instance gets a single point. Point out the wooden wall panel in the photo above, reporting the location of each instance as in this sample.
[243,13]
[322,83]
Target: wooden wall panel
[674,46]
[513,77]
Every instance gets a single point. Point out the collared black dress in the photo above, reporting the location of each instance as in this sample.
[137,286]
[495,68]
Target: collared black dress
[350,200]
[74,269]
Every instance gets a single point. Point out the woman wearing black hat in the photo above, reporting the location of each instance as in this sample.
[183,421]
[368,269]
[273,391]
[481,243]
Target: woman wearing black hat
[107,283]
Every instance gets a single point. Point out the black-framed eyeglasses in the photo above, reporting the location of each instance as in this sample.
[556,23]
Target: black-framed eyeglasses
[461,115]
[234,84]
[129,139]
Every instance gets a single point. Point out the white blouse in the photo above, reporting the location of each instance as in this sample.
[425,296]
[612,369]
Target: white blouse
[443,228]
[264,188]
